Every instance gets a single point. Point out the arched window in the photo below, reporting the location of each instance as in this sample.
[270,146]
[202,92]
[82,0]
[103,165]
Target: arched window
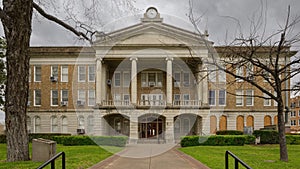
[240,123]
[80,122]
[64,124]
[28,121]
[90,124]
[37,124]
[54,124]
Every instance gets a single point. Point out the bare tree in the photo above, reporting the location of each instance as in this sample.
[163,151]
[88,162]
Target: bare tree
[265,61]
[16,18]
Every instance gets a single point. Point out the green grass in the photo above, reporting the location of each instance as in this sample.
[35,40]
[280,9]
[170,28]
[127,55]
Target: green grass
[77,157]
[258,157]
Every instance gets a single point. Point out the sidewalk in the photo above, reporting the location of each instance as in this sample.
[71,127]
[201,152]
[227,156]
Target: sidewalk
[150,156]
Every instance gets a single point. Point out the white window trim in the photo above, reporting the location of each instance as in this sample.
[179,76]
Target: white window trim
[265,95]
[238,69]
[78,71]
[252,98]
[52,71]
[61,73]
[34,72]
[89,73]
[178,83]
[51,96]
[89,97]
[51,120]
[61,94]
[114,80]
[215,102]
[242,97]
[224,98]
[126,72]
[34,96]
[189,79]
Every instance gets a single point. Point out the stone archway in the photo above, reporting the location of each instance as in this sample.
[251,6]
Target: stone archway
[118,124]
[187,124]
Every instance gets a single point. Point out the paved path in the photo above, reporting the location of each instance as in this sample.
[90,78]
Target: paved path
[150,156]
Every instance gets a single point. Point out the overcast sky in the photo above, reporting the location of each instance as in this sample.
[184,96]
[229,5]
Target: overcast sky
[216,18]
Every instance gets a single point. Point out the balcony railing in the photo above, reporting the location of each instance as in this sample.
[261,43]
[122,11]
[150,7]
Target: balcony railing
[176,103]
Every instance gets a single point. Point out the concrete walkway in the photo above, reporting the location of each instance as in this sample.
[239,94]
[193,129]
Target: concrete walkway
[150,156]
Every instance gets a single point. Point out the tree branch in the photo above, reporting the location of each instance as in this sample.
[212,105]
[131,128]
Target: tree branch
[60,22]
[3,16]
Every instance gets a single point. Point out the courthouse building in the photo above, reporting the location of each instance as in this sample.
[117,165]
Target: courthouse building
[146,81]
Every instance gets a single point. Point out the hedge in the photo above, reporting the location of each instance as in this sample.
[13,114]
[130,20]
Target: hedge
[229,132]
[217,140]
[119,141]
[267,136]
[49,136]
[293,139]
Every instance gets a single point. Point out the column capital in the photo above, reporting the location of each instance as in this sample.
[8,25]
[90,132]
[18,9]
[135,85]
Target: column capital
[169,58]
[133,58]
[99,58]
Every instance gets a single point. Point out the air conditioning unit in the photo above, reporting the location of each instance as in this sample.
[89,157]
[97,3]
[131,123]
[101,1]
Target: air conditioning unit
[64,103]
[80,131]
[80,103]
[28,103]
[151,84]
[108,82]
[53,79]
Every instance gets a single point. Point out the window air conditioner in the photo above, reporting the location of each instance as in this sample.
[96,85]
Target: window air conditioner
[151,84]
[80,103]
[53,79]
[64,103]
[80,131]
[28,103]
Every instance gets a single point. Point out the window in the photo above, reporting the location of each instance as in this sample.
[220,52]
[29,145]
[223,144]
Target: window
[240,72]
[64,95]
[222,97]
[249,97]
[91,97]
[81,74]
[212,97]
[267,100]
[54,97]
[186,98]
[177,79]
[222,74]
[293,113]
[159,79]
[275,102]
[54,72]
[37,124]
[54,124]
[64,124]
[90,124]
[212,75]
[249,71]
[37,73]
[293,122]
[64,73]
[176,99]
[186,79]
[117,79]
[239,97]
[81,97]
[151,79]
[37,97]
[126,79]
[144,80]
[91,73]
[126,99]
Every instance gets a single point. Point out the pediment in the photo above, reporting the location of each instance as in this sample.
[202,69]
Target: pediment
[151,34]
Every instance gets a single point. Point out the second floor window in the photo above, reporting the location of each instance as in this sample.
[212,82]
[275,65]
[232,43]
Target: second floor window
[267,100]
[222,97]
[186,79]
[64,73]
[64,95]
[151,79]
[37,73]
[54,97]
[212,97]
[239,98]
[91,73]
[81,74]
[81,97]
[91,97]
[117,79]
[37,97]
[249,98]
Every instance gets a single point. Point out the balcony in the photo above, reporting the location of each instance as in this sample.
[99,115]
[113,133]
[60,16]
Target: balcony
[152,103]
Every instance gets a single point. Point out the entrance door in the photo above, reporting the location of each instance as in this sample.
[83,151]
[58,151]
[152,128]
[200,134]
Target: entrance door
[151,127]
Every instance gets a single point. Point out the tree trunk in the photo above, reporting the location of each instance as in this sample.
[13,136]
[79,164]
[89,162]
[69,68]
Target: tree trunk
[17,32]
[281,131]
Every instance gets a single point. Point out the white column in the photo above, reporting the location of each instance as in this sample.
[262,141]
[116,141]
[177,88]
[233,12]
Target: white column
[133,80]
[169,129]
[133,134]
[205,86]
[169,91]
[199,83]
[99,81]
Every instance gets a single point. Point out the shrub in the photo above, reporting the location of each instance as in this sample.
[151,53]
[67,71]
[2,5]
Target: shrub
[293,139]
[218,140]
[267,136]
[92,140]
[249,139]
[2,138]
[229,132]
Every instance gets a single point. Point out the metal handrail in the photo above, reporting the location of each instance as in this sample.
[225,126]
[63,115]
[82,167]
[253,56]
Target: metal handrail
[236,161]
[52,161]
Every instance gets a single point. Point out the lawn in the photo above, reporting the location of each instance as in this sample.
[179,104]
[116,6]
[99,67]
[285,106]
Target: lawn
[258,157]
[76,157]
